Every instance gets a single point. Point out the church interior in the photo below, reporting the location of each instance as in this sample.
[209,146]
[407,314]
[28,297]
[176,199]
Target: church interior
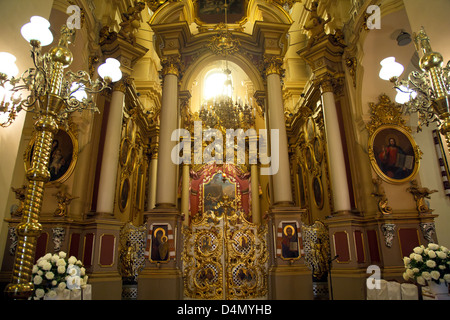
[245,149]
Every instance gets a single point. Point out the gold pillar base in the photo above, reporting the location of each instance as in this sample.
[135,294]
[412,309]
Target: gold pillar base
[19,291]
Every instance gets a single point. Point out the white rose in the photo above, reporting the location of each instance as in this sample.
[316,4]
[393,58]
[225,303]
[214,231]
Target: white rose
[411,256]
[61,269]
[418,257]
[47,266]
[418,250]
[40,272]
[48,256]
[61,286]
[420,280]
[79,263]
[426,275]
[416,270]
[441,254]
[405,276]
[431,263]
[435,274]
[62,254]
[55,258]
[410,273]
[39,293]
[72,260]
[61,262]
[35,269]
[442,267]
[37,280]
[433,246]
[51,294]
[406,260]
[432,254]
[41,263]
[50,275]
[447,277]
[54,283]
[444,249]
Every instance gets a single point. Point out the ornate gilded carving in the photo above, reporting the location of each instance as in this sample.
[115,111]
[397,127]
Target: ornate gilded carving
[315,24]
[243,272]
[171,65]
[64,199]
[379,192]
[316,244]
[420,194]
[131,21]
[132,250]
[224,43]
[351,64]
[58,236]
[20,195]
[331,82]
[13,237]
[273,65]
[385,112]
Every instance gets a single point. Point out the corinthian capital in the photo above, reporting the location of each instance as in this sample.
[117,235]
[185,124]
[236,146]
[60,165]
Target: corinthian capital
[171,65]
[331,83]
[273,64]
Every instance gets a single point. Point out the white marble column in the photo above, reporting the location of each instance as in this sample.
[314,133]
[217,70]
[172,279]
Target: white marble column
[282,192]
[256,210]
[152,173]
[185,192]
[338,173]
[110,154]
[166,192]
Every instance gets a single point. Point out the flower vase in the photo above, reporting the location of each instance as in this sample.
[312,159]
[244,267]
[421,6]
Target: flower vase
[438,289]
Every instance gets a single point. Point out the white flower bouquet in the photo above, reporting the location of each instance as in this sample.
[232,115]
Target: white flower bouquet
[54,275]
[428,264]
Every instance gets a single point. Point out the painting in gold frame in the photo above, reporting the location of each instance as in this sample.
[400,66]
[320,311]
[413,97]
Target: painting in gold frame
[124,194]
[393,153]
[63,156]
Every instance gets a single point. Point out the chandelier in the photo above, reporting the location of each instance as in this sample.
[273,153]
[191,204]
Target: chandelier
[221,111]
[427,90]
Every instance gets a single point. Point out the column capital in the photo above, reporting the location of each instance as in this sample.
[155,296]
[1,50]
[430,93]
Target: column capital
[331,82]
[122,84]
[172,65]
[273,64]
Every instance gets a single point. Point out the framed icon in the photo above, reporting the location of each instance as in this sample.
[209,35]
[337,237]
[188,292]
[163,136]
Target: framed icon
[394,154]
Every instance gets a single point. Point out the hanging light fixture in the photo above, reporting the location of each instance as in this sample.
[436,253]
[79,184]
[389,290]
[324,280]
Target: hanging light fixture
[221,111]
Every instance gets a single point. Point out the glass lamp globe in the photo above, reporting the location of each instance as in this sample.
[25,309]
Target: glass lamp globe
[110,70]
[37,29]
[80,93]
[8,64]
[390,68]
[404,95]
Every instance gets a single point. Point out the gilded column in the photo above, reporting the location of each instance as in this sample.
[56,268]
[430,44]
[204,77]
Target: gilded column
[152,172]
[166,193]
[282,193]
[111,150]
[185,192]
[338,172]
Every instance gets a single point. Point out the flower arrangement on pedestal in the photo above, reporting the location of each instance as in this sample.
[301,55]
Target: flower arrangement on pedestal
[428,265]
[54,276]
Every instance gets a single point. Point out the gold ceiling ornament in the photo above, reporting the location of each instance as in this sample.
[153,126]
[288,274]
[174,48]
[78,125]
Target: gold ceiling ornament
[224,43]
[385,112]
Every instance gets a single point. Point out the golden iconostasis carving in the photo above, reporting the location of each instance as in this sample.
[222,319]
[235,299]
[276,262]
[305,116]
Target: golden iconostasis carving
[132,171]
[310,167]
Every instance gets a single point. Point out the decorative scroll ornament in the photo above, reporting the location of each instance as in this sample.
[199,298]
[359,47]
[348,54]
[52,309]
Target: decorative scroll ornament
[388,230]
[59,234]
[20,195]
[316,244]
[428,230]
[13,238]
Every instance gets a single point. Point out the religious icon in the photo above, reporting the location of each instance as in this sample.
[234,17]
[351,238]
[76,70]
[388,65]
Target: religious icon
[318,192]
[395,155]
[289,241]
[160,244]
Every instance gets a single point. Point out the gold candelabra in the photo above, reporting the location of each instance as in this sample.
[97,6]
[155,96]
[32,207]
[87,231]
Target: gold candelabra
[52,95]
